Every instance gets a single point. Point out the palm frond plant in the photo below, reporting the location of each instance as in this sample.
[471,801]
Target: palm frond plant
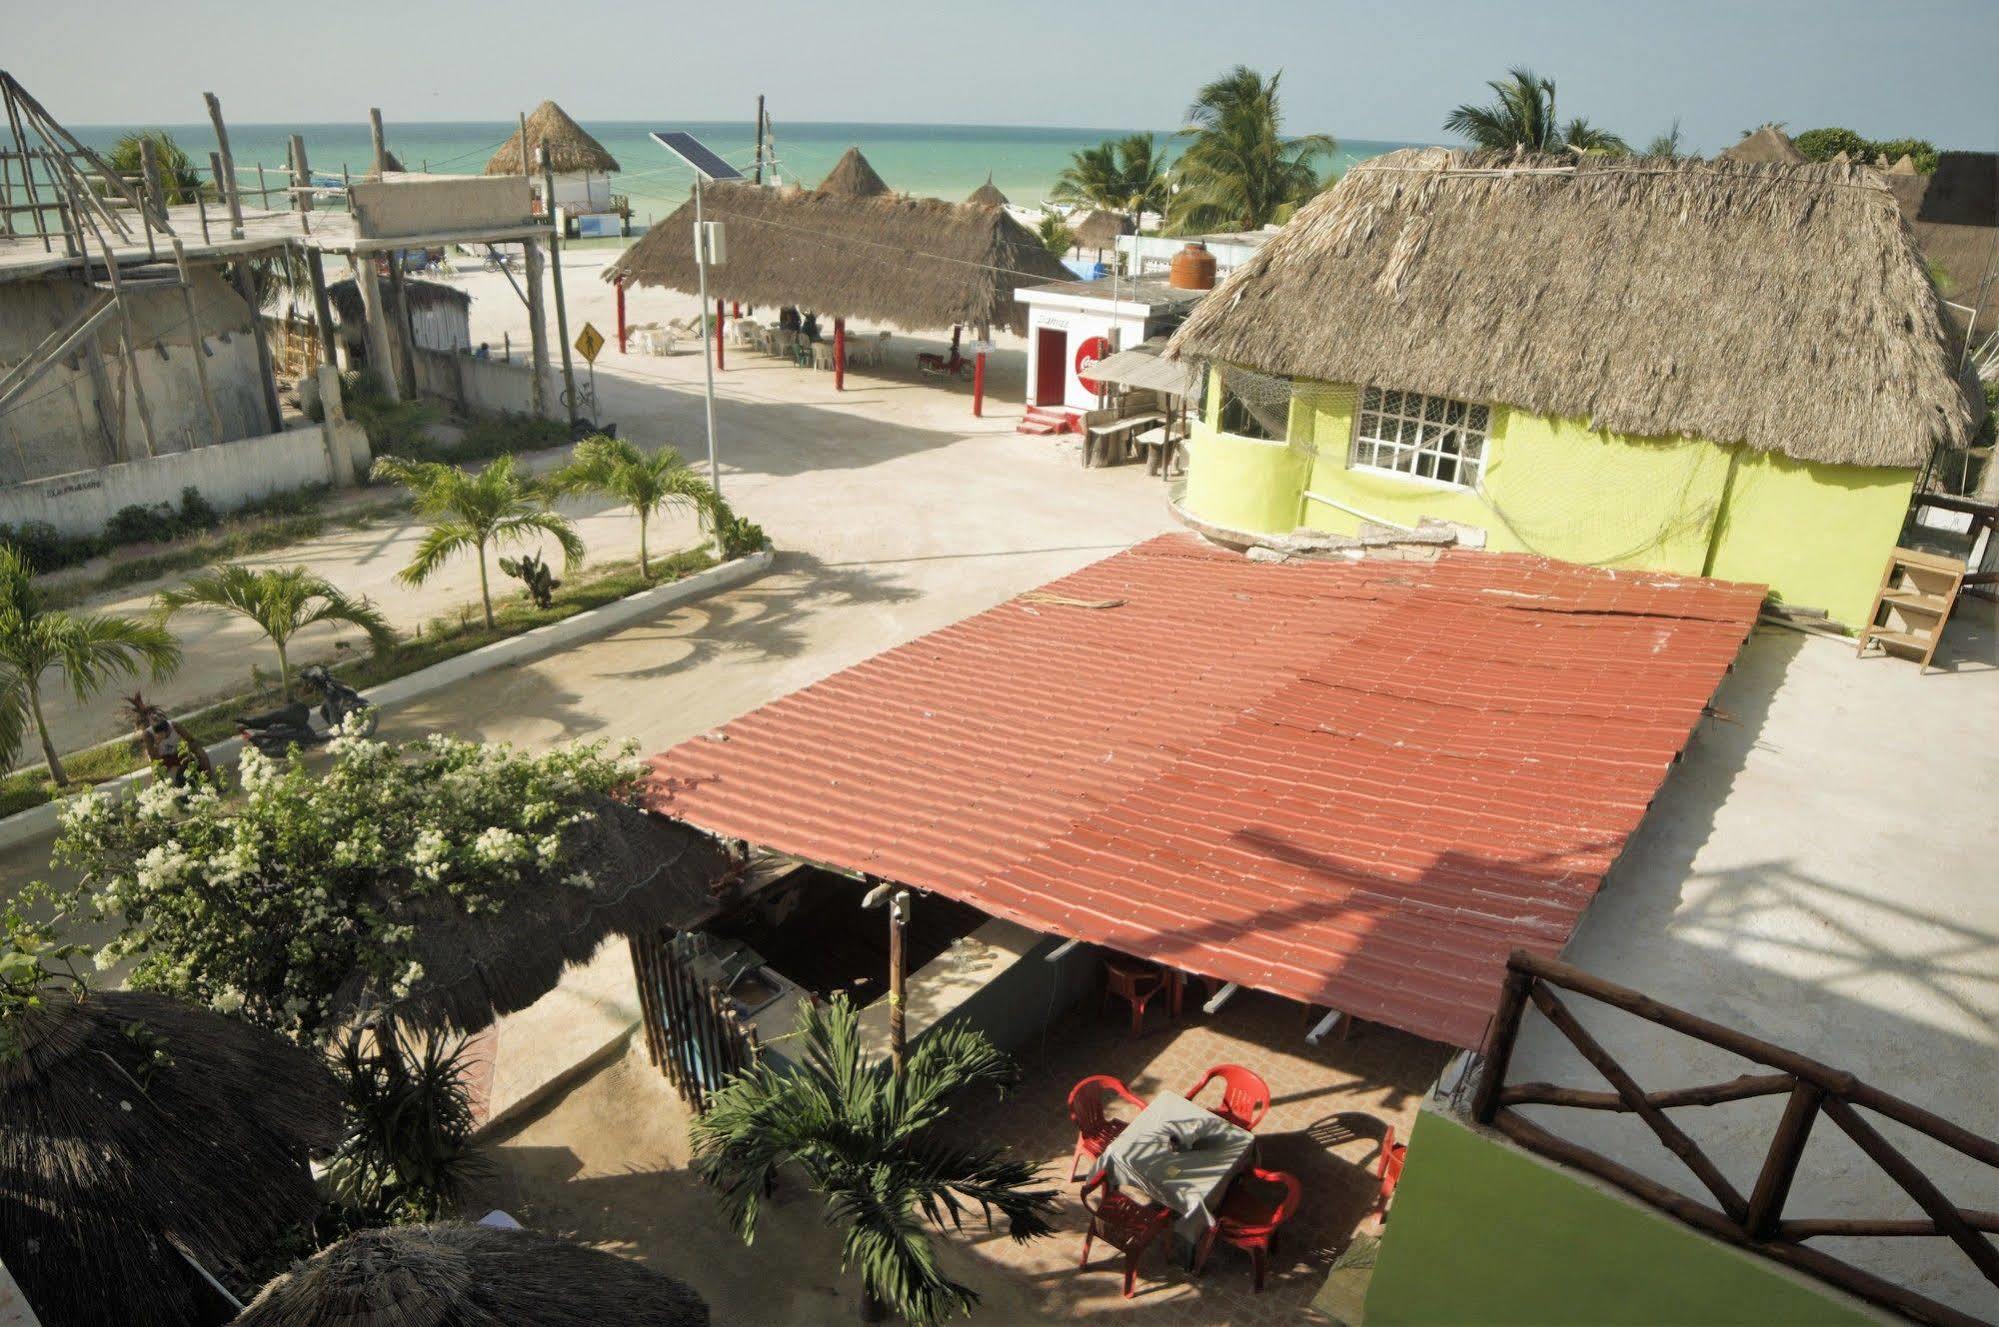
[405,1151]
[1240,171]
[868,1143]
[282,601]
[1669,145]
[179,180]
[88,649]
[1521,115]
[472,512]
[1054,234]
[647,483]
[1122,175]
[1585,139]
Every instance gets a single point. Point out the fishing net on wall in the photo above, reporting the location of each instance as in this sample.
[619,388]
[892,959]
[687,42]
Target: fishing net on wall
[1594,502]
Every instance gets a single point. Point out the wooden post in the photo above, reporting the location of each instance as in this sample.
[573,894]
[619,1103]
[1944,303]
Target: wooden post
[247,288]
[760,138]
[979,375]
[621,315]
[898,907]
[537,332]
[196,337]
[555,282]
[381,359]
[377,142]
[1780,1163]
[263,188]
[718,334]
[1499,1046]
[405,337]
[149,167]
[301,175]
[129,341]
[322,307]
[227,166]
[27,170]
[839,354]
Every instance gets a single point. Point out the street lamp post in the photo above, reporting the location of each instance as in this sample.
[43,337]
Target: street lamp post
[897,900]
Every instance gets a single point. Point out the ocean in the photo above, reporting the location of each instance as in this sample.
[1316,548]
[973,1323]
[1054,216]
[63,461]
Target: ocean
[941,161]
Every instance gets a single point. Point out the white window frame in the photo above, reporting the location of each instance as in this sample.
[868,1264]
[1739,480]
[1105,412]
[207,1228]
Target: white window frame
[1412,414]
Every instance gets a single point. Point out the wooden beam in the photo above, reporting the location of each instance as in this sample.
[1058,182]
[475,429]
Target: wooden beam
[537,333]
[1813,1228]
[1919,1187]
[232,194]
[1499,1045]
[55,347]
[381,357]
[246,286]
[1780,1163]
[27,163]
[322,307]
[555,281]
[1707,1094]
[378,142]
[198,339]
[1668,1133]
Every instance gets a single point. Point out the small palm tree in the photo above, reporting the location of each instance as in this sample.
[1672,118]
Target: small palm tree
[618,470]
[867,1142]
[1521,116]
[179,180]
[1585,139]
[472,512]
[89,649]
[283,601]
[1668,144]
[1055,235]
[1123,175]
[1240,170]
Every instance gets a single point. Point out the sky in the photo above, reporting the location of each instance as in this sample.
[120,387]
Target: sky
[1915,68]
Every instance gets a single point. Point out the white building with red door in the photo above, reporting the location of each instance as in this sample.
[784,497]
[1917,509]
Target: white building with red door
[1073,324]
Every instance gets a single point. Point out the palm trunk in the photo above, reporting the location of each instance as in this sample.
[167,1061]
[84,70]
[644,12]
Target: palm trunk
[284,671]
[645,569]
[56,771]
[485,594]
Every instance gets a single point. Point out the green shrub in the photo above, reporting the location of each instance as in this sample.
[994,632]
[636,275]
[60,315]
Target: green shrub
[497,435]
[394,428]
[47,548]
[1825,144]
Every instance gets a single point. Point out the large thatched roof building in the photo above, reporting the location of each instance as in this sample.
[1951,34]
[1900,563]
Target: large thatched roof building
[571,150]
[1954,212]
[918,264]
[1490,327]
[457,1275]
[1100,229]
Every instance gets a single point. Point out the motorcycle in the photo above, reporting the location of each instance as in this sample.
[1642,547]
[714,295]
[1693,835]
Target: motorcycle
[292,725]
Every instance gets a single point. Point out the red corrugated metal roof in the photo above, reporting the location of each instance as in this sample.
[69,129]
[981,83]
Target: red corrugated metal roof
[1355,784]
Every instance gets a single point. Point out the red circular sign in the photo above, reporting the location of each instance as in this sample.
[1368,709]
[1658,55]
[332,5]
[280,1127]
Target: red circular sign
[1087,355]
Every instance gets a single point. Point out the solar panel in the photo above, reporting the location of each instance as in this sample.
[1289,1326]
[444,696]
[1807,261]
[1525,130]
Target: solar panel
[696,154]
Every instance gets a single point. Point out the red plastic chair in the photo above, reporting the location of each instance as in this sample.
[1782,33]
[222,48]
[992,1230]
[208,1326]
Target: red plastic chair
[1134,983]
[1245,1097]
[1094,1129]
[1251,1215]
[1389,1171]
[1123,1223]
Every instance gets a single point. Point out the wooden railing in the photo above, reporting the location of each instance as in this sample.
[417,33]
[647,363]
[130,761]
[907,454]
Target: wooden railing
[1757,1220]
[692,1032]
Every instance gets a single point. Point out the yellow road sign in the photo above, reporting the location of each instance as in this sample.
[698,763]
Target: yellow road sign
[589,341]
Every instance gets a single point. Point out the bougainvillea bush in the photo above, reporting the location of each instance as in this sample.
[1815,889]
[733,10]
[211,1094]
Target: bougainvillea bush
[268,903]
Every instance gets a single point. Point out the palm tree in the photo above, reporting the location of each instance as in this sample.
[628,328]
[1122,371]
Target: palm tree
[1668,144]
[618,470]
[1123,175]
[282,601]
[1523,116]
[1585,139]
[1240,171]
[473,511]
[179,180]
[866,1142]
[1055,235]
[89,649]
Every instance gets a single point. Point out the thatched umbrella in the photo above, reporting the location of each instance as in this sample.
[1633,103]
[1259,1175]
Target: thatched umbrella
[1784,307]
[1100,230]
[1768,146]
[571,151]
[456,1275]
[624,872]
[853,177]
[987,194]
[133,1129]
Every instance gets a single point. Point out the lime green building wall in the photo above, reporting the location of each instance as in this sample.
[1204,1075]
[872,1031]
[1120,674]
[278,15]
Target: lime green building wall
[1483,1233]
[1817,535]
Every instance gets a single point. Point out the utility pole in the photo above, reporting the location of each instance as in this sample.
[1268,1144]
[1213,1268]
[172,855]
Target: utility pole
[555,280]
[897,899]
[760,138]
[701,255]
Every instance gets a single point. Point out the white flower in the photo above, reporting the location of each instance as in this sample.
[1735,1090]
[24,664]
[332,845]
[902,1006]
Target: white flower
[411,975]
[497,844]
[547,848]
[163,866]
[159,800]
[227,1001]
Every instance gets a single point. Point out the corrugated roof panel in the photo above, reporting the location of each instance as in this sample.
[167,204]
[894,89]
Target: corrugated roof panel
[1354,784]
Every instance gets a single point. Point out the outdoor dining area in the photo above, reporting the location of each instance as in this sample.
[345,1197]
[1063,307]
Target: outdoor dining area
[1145,402]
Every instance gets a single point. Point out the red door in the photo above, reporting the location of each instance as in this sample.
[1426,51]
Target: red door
[1051,366]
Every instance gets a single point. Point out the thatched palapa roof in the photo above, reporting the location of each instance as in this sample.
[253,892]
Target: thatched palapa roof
[345,296]
[643,873]
[1954,212]
[458,1275]
[113,1158]
[571,151]
[1784,307]
[1768,146]
[1100,230]
[853,177]
[987,193]
[913,263]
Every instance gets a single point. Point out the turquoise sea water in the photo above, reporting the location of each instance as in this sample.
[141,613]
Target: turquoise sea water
[943,161]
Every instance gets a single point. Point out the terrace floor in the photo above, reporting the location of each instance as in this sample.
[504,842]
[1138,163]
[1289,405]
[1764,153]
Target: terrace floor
[607,1164]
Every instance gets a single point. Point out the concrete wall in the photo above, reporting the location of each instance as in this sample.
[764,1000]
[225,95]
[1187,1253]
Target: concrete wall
[55,428]
[1817,535]
[1482,1232]
[228,475]
[491,386]
[433,205]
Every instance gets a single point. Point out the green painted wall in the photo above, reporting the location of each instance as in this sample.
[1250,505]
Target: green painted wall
[1817,535]
[1482,1233]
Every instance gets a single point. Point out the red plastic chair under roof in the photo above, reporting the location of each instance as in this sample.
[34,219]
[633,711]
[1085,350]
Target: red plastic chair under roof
[1245,1096]
[1389,1172]
[1257,1204]
[1134,981]
[1123,1223]
[1094,1129]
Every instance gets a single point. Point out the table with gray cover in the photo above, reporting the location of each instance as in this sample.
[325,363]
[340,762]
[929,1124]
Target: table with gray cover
[1143,1162]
